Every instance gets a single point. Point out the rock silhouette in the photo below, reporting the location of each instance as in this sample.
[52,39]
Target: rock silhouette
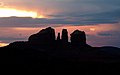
[43,49]
[78,38]
[64,36]
[58,37]
[45,37]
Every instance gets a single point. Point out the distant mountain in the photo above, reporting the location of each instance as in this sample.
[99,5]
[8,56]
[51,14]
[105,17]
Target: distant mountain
[110,49]
[43,49]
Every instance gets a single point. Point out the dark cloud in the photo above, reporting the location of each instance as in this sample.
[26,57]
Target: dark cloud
[29,22]
[65,12]
[104,34]
[108,38]
[109,33]
[66,6]
[76,19]
[96,18]
[11,38]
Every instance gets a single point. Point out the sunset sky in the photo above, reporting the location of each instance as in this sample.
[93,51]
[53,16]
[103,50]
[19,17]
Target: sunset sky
[100,19]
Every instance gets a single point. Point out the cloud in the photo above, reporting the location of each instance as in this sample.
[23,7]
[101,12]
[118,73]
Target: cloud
[10,38]
[65,6]
[104,34]
[6,39]
[75,19]
[106,38]
[109,33]
[29,22]
[64,12]
[96,18]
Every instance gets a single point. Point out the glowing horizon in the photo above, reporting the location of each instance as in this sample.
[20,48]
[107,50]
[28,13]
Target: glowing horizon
[9,12]
[3,44]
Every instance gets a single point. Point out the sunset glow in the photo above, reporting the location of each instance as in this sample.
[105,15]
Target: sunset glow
[92,29]
[8,12]
[3,44]
[99,19]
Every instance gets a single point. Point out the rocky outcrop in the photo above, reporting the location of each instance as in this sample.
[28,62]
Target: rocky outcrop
[44,38]
[64,37]
[58,37]
[42,50]
[78,38]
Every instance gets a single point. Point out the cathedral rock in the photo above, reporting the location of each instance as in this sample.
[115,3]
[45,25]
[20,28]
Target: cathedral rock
[78,38]
[44,37]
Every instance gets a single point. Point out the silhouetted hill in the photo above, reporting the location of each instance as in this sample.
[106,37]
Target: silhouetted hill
[43,49]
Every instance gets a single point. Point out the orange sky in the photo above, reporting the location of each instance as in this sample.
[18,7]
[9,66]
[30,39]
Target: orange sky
[26,8]
[8,12]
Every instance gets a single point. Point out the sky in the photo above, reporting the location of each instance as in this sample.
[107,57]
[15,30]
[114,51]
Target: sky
[99,18]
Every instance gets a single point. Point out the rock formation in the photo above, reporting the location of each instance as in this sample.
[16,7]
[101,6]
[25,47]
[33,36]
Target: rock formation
[44,37]
[43,54]
[58,37]
[64,37]
[78,38]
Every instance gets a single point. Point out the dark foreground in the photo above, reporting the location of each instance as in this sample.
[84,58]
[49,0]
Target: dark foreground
[44,54]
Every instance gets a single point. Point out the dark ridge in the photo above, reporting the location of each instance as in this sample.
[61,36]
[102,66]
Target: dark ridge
[43,49]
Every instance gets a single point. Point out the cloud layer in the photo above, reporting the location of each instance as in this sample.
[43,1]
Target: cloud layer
[65,11]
